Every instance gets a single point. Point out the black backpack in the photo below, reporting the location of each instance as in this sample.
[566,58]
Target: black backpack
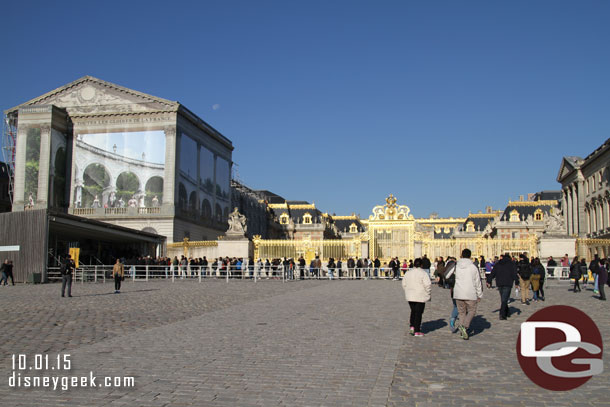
[525,270]
[450,281]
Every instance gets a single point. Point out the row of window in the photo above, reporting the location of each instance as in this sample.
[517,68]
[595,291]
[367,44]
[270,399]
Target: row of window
[595,182]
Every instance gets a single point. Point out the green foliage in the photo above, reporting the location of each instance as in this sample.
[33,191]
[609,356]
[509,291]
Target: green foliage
[128,181]
[96,175]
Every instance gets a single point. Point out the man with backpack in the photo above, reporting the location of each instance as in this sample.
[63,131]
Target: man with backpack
[66,276]
[524,269]
[505,274]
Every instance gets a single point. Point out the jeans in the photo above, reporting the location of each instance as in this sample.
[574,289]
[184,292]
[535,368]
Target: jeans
[602,293]
[4,279]
[596,283]
[454,312]
[427,271]
[117,282]
[66,280]
[417,311]
[504,297]
[330,273]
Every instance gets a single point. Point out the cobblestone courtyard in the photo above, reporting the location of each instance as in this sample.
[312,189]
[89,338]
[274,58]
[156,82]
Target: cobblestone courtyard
[272,343]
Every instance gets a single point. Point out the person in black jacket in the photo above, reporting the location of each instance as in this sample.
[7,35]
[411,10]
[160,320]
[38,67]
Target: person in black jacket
[426,264]
[505,273]
[66,276]
[524,269]
[7,272]
[576,274]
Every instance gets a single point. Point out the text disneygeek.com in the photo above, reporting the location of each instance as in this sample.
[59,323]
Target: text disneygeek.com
[41,362]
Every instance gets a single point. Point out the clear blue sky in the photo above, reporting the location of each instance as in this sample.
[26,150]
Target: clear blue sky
[451,106]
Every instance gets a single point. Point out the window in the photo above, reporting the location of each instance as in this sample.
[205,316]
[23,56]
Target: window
[470,227]
[306,219]
[538,215]
[283,219]
[514,216]
[353,228]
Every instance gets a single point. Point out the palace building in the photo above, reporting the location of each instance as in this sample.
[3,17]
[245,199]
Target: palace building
[585,185]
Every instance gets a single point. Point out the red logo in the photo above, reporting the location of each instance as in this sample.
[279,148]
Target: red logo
[560,348]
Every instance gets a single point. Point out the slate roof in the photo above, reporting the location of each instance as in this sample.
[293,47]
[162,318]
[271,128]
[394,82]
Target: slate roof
[343,225]
[528,208]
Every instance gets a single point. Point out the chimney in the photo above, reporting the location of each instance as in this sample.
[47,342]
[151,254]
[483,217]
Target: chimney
[520,198]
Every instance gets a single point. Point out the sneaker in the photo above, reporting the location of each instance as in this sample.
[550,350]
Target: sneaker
[412,331]
[595,292]
[419,334]
[463,332]
[452,325]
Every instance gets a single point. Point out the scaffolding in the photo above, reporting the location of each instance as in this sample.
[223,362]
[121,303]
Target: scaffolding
[9,143]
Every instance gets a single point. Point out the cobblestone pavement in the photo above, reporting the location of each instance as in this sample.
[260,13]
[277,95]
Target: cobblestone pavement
[273,343]
[442,369]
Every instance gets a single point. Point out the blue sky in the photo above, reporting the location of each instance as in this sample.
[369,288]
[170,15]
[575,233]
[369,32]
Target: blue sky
[451,106]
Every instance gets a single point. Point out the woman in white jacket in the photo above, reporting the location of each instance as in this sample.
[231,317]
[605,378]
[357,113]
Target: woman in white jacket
[417,286]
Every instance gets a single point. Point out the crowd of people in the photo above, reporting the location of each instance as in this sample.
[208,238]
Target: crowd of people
[463,278]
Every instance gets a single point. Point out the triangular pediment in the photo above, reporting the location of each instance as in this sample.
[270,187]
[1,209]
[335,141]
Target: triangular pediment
[89,95]
[568,165]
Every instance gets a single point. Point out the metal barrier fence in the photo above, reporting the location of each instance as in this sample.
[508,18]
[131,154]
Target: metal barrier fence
[102,273]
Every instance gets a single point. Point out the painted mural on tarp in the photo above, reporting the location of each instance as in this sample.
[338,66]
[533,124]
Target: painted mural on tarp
[57,170]
[32,166]
[117,170]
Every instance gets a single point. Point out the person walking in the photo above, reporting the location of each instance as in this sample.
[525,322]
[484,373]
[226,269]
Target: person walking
[66,276]
[505,274]
[524,269]
[594,267]
[417,286]
[118,272]
[576,274]
[602,279]
[439,272]
[537,280]
[7,271]
[450,283]
[426,264]
[467,292]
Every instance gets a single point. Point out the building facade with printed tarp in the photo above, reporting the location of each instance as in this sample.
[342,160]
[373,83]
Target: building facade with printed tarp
[102,151]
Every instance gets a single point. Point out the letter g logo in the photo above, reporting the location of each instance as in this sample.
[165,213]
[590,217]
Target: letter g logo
[555,344]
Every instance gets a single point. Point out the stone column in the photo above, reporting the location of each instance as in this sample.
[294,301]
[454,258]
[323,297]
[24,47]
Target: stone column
[42,197]
[567,213]
[19,180]
[171,160]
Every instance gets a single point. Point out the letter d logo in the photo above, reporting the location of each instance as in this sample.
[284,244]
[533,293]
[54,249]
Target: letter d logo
[560,348]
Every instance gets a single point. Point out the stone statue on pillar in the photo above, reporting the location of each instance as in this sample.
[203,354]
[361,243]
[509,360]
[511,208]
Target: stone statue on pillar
[237,225]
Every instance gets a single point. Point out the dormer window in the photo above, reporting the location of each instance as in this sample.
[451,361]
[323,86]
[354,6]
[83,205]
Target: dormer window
[470,227]
[284,219]
[353,228]
[538,215]
[514,216]
[307,219]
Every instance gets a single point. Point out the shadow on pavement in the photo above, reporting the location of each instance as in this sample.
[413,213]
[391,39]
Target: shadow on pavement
[479,324]
[431,326]
[113,293]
